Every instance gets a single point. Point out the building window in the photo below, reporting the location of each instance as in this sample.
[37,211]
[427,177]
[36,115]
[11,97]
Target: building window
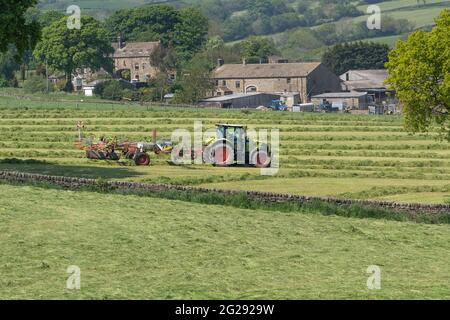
[144,66]
[288,80]
[217,83]
[224,82]
[238,84]
[136,67]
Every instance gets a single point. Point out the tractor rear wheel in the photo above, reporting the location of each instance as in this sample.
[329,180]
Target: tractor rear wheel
[142,159]
[223,155]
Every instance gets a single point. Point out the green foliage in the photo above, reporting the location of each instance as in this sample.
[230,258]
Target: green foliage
[360,55]
[67,49]
[256,48]
[195,81]
[35,84]
[110,90]
[185,30]
[419,71]
[15,29]
[8,64]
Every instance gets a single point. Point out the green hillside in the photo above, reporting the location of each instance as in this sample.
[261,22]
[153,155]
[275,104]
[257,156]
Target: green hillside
[301,29]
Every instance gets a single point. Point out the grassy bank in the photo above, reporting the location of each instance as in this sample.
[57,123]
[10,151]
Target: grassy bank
[135,247]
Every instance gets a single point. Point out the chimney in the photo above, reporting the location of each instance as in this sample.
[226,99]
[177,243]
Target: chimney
[220,62]
[121,42]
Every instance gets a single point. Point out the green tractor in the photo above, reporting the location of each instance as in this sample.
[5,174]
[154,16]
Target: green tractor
[233,146]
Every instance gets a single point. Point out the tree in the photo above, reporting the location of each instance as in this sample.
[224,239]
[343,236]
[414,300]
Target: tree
[185,30]
[8,65]
[15,29]
[190,33]
[195,81]
[419,71]
[360,55]
[256,48]
[69,49]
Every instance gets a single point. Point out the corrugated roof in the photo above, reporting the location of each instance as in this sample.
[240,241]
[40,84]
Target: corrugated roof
[266,70]
[340,95]
[365,79]
[232,96]
[135,49]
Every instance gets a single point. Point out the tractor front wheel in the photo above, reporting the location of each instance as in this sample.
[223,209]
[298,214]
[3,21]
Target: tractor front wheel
[142,159]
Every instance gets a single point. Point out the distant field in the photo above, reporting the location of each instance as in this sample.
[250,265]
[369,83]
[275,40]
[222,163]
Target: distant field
[368,157]
[420,15]
[129,247]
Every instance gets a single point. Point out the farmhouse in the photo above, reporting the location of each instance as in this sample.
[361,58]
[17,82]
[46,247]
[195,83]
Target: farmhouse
[370,81]
[134,58]
[305,79]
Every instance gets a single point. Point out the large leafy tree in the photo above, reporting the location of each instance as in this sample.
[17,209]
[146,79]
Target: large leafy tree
[67,49]
[195,81]
[14,27]
[360,55]
[190,32]
[185,30]
[419,71]
[256,48]
[148,23]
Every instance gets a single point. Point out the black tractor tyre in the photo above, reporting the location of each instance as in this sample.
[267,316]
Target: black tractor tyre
[113,156]
[142,159]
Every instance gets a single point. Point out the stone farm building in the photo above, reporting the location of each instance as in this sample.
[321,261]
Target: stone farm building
[306,79]
[370,81]
[135,57]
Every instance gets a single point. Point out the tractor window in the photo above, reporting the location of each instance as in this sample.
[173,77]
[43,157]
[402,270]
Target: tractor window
[220,132]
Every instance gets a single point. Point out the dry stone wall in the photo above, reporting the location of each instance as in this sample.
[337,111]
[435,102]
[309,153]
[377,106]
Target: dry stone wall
[73,183]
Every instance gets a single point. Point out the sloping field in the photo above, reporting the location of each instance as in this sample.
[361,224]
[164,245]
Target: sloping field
[129,247]
[321,154]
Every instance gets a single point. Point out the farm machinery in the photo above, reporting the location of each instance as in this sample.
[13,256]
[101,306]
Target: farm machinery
[278,105]
[111,149]
[233,146]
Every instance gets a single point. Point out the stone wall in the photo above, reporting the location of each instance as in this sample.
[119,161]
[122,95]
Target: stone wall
[77,183]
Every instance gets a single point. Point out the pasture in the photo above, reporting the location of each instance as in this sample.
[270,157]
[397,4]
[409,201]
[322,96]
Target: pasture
[340,155]
[130,247]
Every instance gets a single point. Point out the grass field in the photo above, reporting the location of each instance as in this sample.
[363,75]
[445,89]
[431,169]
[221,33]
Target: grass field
[321,154]
[144,248]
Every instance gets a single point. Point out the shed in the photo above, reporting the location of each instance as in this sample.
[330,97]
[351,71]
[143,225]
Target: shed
[240,100]
[343,100]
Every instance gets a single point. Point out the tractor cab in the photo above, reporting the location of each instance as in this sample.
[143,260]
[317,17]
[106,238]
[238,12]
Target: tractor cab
[231,132]
[233,146]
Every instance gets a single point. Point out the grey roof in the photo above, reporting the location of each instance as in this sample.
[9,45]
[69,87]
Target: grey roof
[265,70]
[232,96]
[365,79]
[341,95]
[135,49]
